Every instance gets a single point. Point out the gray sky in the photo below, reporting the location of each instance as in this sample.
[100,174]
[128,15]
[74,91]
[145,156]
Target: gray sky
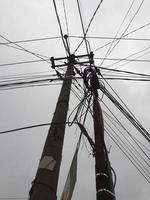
[20,152]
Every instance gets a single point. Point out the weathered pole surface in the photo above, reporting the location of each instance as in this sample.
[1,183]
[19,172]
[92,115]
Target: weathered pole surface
[46,181]
[104,185]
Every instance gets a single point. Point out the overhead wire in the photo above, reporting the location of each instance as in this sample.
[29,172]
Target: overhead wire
[117,121]
[88,27]
[130,151]
[29,86]
[128,140]
[131,158]
[24,83]
[83,29]
[127,62]
[23,62]
[30,40]
[110,38]
[111,44]
[66,20]
[73,36]
[111,49]
[123,59]
[131,32]
[60,27]
[123,103]
[30,52]
[125,72]
[127,113]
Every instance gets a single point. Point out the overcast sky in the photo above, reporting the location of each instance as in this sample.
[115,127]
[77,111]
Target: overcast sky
[20,151]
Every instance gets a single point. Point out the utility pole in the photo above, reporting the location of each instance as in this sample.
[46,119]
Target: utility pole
[104,183]
[45,183]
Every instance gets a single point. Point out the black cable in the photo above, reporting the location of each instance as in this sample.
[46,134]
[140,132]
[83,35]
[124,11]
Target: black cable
[123,59]
[23,62]
[111,44]
[7,85]
[60,27]
[122,35]
[83,29]
[123,71]
[30,52]
[127,79]
[24,78]
[133,31]
[30,86]
[125,129]
[65,14]
[72,36]
[131,113]
[135,159]
[110,38]
[130,117]
[125,152]
[30,40]
[89,25]
[129,142]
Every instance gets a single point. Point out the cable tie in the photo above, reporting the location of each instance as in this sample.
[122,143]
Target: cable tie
[102,174]
[107,191]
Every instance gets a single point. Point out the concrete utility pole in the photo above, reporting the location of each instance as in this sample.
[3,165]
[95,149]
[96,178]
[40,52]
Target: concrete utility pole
[45,184]
[104,183]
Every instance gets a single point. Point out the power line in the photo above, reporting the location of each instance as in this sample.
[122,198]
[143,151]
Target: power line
[137,57]
[29,86]
[89,25]
[128,79]
[131,32]
[123,59]
[23,62]
[111,47]
[118,122]
[30,40]
[5,85]
[110,38]
[73,36]
[127,154]
[65,14]
[83,29]
[123,71]
[122,35]
[30,52]
[60,27]
[128,140]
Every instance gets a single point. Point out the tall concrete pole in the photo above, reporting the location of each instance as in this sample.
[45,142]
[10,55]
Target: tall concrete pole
[45,184]
[104,185]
